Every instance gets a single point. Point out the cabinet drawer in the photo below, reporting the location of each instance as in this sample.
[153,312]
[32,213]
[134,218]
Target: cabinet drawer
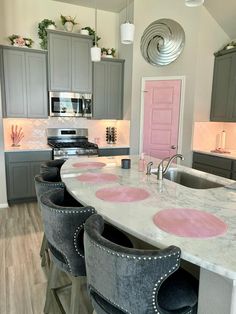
[209,169]
[113,151]
[28,156]
[214,161]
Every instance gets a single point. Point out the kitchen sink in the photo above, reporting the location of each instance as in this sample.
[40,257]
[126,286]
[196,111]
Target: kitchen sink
[189,180]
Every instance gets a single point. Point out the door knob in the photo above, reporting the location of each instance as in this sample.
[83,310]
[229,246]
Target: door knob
[173,146]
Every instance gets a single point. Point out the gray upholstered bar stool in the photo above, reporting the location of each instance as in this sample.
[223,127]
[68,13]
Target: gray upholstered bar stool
[64,229]
[123,280]
[44,182]
[53,166]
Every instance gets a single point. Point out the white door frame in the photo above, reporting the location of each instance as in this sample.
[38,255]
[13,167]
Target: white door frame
[181,109]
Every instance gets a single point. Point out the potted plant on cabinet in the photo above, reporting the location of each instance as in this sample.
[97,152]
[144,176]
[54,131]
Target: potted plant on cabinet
[42,26]
[68,22]
[108,52]
[92,32]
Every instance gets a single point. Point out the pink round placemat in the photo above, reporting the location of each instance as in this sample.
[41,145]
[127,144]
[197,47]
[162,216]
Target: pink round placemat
[97,177]
[122,194]
[185,222]
[89,165]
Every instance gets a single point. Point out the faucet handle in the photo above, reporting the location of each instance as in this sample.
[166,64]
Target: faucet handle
[149,168]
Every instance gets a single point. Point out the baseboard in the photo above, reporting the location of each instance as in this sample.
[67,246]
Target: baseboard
[4,205]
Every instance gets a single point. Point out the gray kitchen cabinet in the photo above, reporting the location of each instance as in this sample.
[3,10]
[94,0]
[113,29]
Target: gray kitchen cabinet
[25,83]
[219,166]
[113,151]
[108,79]
[21,167]
[223,102]
[69,62]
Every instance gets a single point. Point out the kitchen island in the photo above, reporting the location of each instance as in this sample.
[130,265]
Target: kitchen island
[215,256]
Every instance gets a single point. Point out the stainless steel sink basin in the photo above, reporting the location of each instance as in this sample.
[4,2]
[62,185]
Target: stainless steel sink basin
[189,180]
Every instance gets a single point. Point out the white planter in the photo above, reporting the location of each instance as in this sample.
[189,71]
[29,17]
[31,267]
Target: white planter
[68,26]
[51,26]
[84,32]
[95,54]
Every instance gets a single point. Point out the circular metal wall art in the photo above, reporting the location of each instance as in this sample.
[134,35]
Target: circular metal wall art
[162,42]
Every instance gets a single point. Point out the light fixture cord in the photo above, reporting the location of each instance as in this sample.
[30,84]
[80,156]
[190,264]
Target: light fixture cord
[95,35]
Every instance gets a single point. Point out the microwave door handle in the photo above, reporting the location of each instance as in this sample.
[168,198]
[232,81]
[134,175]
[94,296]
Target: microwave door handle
[83,106]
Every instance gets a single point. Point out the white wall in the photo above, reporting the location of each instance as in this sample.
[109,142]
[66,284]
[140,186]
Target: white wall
[185,65]
[22,17]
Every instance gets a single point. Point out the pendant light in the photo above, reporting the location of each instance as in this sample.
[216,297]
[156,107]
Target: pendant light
[95,50]
[193,3]
[127,29]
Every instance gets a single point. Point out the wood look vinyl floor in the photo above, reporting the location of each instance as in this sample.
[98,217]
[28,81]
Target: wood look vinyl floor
[22,280]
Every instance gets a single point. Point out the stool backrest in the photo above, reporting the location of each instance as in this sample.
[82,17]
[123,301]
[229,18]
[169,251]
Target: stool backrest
[125,280]
[46,182]
[52,166]
[64,230]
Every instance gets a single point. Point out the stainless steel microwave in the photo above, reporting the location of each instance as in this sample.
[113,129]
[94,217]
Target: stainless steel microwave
[64,104]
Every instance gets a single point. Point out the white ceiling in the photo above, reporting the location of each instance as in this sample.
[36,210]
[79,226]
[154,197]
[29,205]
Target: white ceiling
[223,11]
[106,5]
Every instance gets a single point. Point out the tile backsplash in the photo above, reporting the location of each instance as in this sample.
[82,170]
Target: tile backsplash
[207,135]
[35,129]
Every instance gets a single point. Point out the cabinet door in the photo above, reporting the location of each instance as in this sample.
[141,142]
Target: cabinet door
[108,89]
[15,83]
[81,65]
[232,90]
[36,79]
[59,48]
[100,91]
[18,180]
[220,103]
[115,90]
[34,170]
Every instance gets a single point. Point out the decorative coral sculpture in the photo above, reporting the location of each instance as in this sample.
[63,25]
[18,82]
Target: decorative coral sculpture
[16,135]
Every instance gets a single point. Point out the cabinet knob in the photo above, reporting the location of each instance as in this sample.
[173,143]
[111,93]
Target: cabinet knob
[173,146]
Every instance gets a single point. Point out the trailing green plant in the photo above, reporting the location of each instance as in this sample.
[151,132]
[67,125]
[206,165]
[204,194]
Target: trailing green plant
[42,26]
[92,33]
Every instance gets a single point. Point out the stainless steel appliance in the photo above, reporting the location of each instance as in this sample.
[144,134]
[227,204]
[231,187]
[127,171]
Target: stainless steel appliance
[70,142]
[70,104]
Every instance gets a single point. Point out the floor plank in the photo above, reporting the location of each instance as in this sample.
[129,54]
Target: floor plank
[23,281]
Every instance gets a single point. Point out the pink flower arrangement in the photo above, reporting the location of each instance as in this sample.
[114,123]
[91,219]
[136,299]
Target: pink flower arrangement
[20,41]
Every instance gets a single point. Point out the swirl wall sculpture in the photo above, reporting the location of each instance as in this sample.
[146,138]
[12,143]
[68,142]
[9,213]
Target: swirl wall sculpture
[162,42]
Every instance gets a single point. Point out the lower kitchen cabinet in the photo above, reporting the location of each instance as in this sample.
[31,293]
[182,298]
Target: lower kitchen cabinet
[113,151]
[220,166]
[21,167]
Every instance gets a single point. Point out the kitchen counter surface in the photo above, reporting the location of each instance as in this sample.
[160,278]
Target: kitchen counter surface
[105,145]
[28,147]
[217,254]
[231,155]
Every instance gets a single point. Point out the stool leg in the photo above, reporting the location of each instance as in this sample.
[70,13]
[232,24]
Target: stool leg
[80,303]
[51,284]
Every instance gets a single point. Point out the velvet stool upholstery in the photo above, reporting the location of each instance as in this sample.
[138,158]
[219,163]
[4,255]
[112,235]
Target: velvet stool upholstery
[64,227]
[125,280]
[52,166]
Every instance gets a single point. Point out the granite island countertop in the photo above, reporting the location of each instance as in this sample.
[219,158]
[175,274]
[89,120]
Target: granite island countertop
[216,254]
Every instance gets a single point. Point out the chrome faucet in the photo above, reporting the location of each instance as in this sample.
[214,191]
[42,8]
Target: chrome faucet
[149,168]
[161,170]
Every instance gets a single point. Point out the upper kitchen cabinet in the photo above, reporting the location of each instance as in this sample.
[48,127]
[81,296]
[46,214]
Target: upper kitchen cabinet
[223,102]
[24,87]
[108,78]
[70,65]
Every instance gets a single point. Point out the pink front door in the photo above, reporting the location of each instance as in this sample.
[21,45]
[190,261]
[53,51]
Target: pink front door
[161,118]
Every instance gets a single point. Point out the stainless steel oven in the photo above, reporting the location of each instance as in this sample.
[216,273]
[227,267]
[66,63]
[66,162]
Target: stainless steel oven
[64,104]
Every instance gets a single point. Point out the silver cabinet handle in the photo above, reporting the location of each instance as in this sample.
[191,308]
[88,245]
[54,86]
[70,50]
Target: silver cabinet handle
[173,147]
